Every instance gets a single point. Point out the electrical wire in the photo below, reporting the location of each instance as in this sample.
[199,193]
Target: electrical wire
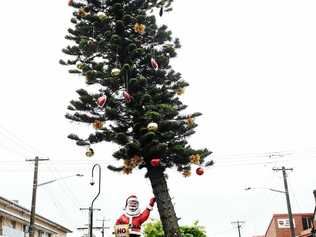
[17,141]
[294,196]
[12,151]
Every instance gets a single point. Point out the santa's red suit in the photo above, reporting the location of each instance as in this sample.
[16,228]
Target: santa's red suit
[132,215]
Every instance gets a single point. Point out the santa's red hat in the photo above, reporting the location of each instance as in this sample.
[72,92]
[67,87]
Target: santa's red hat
[131,197]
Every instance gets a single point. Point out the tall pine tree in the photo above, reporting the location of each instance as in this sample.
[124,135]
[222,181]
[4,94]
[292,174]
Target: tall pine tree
[118,46]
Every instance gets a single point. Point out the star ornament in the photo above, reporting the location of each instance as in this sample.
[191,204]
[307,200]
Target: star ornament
[139,28]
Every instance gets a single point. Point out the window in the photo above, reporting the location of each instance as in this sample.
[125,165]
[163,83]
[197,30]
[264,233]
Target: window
[25,228]
[40,233]
[13,224]
[307,222]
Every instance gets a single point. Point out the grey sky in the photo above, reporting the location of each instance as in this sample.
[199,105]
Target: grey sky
[251,66]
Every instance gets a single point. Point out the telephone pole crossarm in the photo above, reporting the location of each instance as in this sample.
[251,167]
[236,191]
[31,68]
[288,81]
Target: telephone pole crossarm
[239,225]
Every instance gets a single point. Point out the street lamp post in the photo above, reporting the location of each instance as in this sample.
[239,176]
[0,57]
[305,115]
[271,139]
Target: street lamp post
[286,192]
[54,180]
[35,185]
[91,207]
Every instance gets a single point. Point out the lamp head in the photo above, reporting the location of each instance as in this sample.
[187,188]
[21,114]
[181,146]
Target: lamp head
[92,182]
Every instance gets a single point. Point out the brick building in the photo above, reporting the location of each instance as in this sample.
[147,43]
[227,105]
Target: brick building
[280,227]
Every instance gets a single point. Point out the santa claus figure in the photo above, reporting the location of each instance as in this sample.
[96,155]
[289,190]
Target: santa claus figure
[133,217]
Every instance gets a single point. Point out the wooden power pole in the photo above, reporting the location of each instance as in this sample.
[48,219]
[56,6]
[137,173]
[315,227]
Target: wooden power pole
[33,205]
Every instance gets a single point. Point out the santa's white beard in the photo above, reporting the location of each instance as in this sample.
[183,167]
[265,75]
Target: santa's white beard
[132,212]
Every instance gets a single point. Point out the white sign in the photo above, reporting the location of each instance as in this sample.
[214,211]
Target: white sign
[284,223]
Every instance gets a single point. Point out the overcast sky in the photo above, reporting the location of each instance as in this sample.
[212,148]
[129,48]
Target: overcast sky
[251,67]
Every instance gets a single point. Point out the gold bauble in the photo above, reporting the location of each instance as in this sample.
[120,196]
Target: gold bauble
[152,127]
[180,91]
[101,16]
[82,12]
[115,72]
[190,121]
[89,152]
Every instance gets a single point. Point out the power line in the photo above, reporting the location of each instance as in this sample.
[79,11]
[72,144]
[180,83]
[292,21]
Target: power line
[19,142]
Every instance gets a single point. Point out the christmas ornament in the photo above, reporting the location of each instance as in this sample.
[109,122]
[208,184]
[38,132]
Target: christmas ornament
[190,121]
[139,28]
[70,2]
[97,124]
[152,127]
[101,101]
[195,159]
[115,72]
[180,91]
[155,162]
[101,16]
[127,170]
[80,66]
[89,152]
[154,64]
[136,160]
[186,173]
[127,96]
[82,12]
[199,171]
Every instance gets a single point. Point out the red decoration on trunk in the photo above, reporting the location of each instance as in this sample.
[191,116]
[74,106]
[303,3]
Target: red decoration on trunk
[199,171]
[155,162]
[154,64]
[101,101]
[127,96]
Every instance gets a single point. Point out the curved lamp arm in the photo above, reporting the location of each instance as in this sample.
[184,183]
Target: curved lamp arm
[96,165]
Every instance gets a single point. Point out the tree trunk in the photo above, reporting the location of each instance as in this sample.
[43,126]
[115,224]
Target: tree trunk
[166,210]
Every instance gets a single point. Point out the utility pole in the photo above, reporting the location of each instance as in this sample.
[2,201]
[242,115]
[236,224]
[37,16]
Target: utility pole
[238,226]
[90,225]
[103,226]
[288,203]
[32,216]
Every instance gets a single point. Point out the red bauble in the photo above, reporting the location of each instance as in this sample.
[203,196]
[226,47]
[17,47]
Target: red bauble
[127,96]
[199,171]
[154,64]
[70,2]
[101,101]
[155,162]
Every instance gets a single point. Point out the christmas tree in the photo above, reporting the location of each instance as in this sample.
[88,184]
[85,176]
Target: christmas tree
[118,47]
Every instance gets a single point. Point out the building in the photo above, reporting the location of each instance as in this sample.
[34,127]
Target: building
[280,227]
[14,222]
